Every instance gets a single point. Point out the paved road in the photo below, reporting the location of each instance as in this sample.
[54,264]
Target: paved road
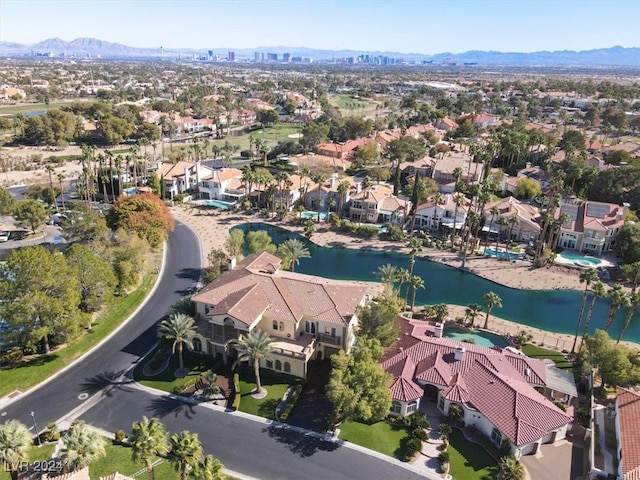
[253,448]
[107,363]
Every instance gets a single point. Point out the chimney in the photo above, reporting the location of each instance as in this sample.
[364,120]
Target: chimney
[458,353]
[505,178]
[334,177]
[625,209]
[232,263]
[528,164]
[439,330]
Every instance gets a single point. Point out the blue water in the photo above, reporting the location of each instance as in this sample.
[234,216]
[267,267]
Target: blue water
[574,257]
[314,215]
[479,337]
[218,204]
[552,310]
[501,254]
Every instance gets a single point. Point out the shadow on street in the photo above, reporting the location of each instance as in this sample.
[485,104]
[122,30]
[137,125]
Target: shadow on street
[298,443]
[164,406]
[108,381]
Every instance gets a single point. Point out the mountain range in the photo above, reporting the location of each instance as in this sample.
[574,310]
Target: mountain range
[614,56]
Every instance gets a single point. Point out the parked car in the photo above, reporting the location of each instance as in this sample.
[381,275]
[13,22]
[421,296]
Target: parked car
[4,236]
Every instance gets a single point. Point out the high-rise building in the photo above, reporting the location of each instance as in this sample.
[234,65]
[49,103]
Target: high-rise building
[272,57]
[286,57]
[231,56]
[256,57]
[210,55]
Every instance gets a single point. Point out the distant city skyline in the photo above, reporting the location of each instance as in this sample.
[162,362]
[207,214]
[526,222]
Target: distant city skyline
[405,26]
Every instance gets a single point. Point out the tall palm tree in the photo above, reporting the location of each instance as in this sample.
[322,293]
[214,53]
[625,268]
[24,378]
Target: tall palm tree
[471,312]
[415,246]
[416,283]
[586,277]
[473,223]
[459,200]
[502,221]
[598,292]
[388,275]
[15,443]
[510,469]
[84,445]
[180,329]
[491,300]
[50,170]
[60,182]
[253,348]
[149,439]
[631,272]
[291,251]
[186,453]
[618,299]
[343,188]
[495,213]
[513,222]
[634,303]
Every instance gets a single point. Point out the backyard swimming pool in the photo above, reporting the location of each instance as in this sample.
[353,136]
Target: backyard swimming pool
[477,337]
[491,252]
[218,204]
[551,310]
[314,215]
[581,260]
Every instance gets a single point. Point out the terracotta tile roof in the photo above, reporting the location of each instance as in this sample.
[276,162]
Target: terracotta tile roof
[457,391]
[257,286]
[512,406]
[172,170]
[403,387]
[628,403]
[224,174]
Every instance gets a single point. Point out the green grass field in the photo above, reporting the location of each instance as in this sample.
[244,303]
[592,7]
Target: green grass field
[42,367]
[349,105]
[534,351]
[32,107]
[276,386]
[118,459]
[469,461]
[166,380]
[381,437]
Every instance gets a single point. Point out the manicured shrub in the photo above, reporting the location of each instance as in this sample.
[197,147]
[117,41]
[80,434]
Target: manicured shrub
[51,434]
[284,415]
[235,405]
[444,457]
[183,387]
[421,434]
[12,357]
[119,436]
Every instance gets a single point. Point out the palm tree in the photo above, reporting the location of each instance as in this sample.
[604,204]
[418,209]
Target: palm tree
[186,452]
[50,171]
[634,303]
[619,299]
[84,445]
[495,213]
[416,283]
[209,468]
[343,188]
[513,222]
[586,277]
[471,312]
[502,221]
[15,443]
[510,469]
[180,329]
[491,300]
[598,292]
[60,180]
[473,223]
[388,275]
[148,440]
[291,251]
[253,348]
[631,271]
[415,246]
[459,200]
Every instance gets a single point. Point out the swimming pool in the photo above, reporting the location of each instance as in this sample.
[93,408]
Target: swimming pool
[477,337]
[491,252]
[314,215]
[580,260]
[218,204]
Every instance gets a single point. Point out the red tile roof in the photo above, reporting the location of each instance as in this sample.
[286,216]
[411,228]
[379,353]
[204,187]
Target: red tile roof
[628,417]
[258,285]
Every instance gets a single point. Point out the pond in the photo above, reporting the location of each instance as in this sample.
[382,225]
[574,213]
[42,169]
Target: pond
[551,310]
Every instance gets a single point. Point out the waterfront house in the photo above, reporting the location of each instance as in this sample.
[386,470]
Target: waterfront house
[378,204]
[223,184]
[432,214]
[182,177]
[592,227]
[307,317]
[497,391]
[525,229]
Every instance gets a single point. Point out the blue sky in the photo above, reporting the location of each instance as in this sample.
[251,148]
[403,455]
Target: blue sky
[407,26]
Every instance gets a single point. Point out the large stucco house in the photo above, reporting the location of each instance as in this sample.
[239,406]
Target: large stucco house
[498,391]
[592,227]
[307,317]
[627,413]
[378,204]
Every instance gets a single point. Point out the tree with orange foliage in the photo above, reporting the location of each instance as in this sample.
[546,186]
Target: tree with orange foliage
[145,215]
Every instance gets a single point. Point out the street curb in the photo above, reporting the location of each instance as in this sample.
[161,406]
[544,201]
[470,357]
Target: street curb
[5,403]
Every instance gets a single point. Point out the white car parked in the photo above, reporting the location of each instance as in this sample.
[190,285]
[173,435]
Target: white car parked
[4,236]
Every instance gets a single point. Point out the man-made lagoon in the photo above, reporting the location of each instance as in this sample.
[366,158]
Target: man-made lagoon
[551,310]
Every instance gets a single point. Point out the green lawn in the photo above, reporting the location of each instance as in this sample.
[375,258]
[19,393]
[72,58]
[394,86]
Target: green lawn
[275,384]
[469,461]
[118,459]
[381,437]
[348,105]
[166,380]
[31,373]
[534,351]
[36,454]
[32,107]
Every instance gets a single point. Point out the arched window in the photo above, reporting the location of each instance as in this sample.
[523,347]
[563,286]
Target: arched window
[396,408]
[287,367]
[278,365]
[412,407]
[197,345]
[269,364]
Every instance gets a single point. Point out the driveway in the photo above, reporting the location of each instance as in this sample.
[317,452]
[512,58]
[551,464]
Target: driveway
[559,461]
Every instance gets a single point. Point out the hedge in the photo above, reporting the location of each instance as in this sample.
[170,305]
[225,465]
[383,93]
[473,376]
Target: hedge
[284,415]
[235,405]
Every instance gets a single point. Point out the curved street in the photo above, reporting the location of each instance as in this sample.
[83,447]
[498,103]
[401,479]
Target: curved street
[244,445]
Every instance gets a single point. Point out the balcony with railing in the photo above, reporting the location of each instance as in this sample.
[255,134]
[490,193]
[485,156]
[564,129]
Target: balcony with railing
[328,339]
[300,349]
